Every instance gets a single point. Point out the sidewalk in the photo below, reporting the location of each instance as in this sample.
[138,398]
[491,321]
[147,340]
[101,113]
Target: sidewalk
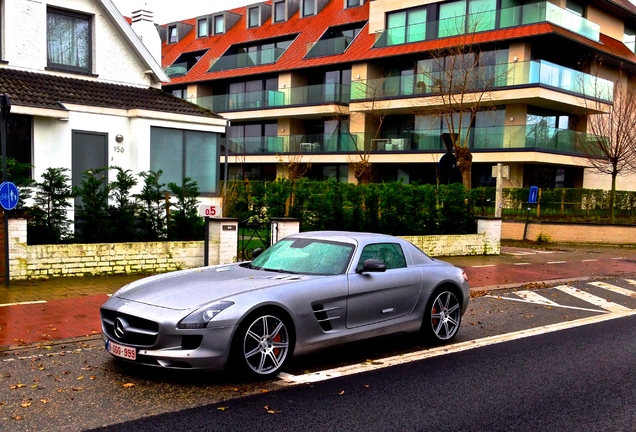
[64,308]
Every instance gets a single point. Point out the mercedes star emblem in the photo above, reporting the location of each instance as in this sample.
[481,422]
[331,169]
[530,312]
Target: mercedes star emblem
[120,327]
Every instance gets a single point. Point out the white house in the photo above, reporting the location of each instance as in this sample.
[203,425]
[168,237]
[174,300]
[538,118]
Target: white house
[86,93]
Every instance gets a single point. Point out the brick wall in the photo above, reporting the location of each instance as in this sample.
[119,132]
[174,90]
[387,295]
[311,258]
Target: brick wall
[570,233]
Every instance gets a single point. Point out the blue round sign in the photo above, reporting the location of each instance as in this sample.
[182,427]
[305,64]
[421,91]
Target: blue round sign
[9,195]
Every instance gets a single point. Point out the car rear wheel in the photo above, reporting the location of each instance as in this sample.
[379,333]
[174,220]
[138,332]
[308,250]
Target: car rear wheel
[442,317]
[263,344]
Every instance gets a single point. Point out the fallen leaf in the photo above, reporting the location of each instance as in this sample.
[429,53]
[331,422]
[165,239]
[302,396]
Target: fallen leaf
[128,385]
[25,404]
[17,386]
[341,393]
[222,408]
[44,401]
[81,377]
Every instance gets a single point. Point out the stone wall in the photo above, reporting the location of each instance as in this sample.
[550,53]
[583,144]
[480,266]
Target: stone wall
[570,233]
[45,261]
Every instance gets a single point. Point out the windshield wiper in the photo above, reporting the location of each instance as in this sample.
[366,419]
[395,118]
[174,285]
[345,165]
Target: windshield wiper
[278,270]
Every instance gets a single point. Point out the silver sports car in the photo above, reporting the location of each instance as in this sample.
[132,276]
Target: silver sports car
[306,292]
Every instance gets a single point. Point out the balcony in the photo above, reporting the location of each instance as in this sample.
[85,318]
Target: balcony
[502,138]
[330,46]
[490,20]
[285,97]
[295,144]
[487,78]
[242,60]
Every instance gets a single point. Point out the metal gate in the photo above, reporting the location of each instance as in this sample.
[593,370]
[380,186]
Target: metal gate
[254,233]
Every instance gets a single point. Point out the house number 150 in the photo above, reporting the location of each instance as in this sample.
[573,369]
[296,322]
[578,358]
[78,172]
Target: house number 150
[118,149]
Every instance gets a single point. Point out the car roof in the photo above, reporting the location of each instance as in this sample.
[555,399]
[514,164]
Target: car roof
[349,236]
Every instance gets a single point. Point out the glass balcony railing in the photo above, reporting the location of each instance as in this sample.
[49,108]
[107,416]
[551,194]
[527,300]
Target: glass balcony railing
[529,137]
[256,58]
[296,144]
[306,95]
[486,78]
[537,137]
[490,20]
[329,46]
[176,69]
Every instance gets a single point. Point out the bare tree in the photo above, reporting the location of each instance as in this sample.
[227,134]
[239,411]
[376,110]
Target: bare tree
[457,81]
[610,146]
[375,107]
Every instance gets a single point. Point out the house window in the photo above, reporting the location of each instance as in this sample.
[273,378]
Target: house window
[219,24]
[575,7]
[173,36]
[202,27]
[309,8]
[279,11]
[353,3]
[254,17]
[180,93]
[185,153]
[19,133]
[68,41]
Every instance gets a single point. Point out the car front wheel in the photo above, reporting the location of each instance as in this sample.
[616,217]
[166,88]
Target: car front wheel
[263,344]
[442,317]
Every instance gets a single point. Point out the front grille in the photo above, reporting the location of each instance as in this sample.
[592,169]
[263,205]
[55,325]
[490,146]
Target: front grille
[138,331]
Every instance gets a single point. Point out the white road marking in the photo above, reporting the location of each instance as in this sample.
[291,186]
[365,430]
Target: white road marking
[533,297]
[522,263]
[590,260]
[482,266]
[519,253]
[614,288]
[544,302]
[23,303]
[631,282]
[597,301]
[545,252]
[442,350]
[556,262]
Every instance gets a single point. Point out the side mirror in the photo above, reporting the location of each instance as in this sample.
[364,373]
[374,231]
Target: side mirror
[257,252]
[373,266]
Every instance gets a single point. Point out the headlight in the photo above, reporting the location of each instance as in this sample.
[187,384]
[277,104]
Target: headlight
[202,316]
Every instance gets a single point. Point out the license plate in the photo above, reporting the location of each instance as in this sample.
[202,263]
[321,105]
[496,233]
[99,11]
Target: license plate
[121,351]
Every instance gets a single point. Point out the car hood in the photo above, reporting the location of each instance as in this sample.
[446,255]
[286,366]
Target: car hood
[188,289]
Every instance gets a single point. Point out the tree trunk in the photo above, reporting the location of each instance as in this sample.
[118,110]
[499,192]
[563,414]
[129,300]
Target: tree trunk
[464,160]
[613,197]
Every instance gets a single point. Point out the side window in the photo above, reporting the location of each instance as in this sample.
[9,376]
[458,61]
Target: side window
[389,253]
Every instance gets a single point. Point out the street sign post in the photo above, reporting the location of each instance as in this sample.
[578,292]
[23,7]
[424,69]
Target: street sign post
[5,109]
[9,195]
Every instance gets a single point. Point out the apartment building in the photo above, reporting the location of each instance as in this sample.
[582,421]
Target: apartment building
[331,83]
[85,93]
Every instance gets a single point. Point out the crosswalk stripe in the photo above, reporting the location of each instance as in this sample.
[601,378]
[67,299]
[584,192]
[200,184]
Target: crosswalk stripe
[614,288]
[535,298]
[631,282]
[597,301]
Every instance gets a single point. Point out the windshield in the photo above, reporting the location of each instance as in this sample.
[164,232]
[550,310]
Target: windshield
[308,256]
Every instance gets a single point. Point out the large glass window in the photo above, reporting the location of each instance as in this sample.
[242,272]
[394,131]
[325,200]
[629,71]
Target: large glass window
[68,41]
[279,11]
[629,38]
[173,35]
[184,153]
[406,26]
[308,8]
[254,17]
[202,27]
[452,18]
[219,24]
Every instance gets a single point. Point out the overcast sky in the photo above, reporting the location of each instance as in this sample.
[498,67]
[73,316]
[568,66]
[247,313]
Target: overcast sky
[175,10]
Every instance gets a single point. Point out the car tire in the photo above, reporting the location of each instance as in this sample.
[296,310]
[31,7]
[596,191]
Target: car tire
[442,317]
[263,344]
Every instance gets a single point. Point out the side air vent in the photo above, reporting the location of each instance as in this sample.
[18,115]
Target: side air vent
[324,316]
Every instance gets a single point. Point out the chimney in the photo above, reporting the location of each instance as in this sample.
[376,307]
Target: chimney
[143,24]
